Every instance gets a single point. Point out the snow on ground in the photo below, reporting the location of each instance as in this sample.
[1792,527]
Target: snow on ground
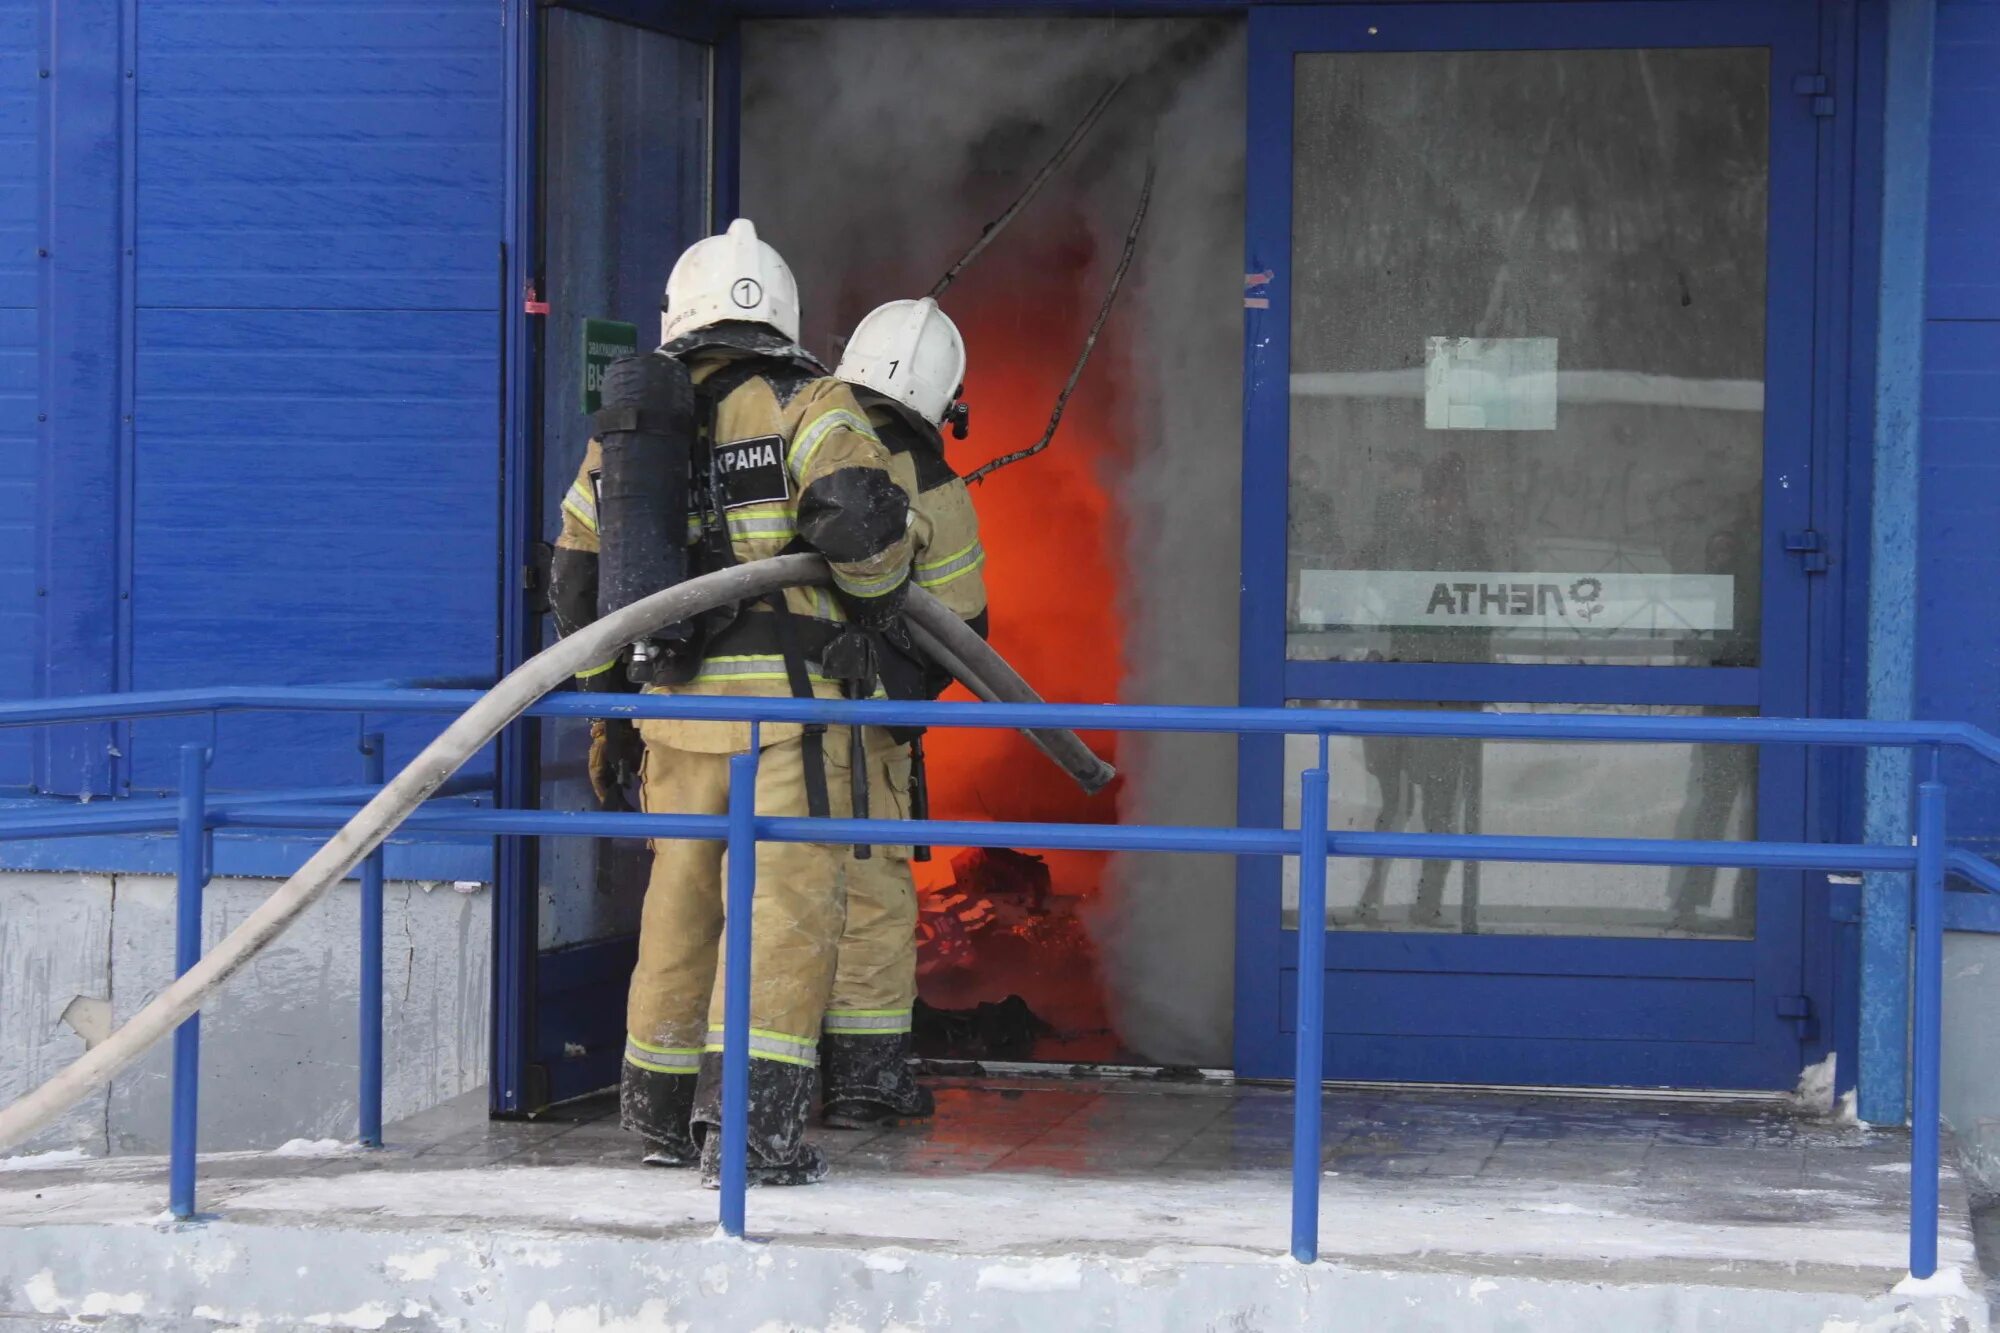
[40,1160]
[1946,1281]
[1002,1214]
[312,1148]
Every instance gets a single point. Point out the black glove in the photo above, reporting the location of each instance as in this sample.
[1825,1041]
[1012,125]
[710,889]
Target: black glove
[853,661]
[879,614]
[615,751]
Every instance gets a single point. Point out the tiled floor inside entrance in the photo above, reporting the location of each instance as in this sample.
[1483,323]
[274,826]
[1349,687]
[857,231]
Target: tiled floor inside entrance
[1753,1161]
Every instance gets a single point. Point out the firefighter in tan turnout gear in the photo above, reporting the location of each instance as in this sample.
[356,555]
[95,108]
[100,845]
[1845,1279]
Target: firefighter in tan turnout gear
[906,365]
[782,458]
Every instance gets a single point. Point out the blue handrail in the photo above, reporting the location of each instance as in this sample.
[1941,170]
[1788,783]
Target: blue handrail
[1009,717]
[196,813]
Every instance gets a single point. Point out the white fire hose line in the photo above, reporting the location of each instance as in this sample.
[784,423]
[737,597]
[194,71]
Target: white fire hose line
[951,643]
[988,676]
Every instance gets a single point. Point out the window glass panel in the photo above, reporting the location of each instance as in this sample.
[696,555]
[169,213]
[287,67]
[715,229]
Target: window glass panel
[1532,788]
[1527,379]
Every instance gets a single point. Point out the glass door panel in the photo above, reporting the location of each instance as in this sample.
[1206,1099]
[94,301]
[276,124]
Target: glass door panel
[1396,784]
[1527,356]
[1529,415]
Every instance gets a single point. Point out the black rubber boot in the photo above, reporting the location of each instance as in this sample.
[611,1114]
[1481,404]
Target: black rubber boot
[780,1102]
[806,1167]
[869,1084]
[657,1107]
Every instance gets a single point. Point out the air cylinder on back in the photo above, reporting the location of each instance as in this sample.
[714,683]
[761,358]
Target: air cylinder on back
[646,428]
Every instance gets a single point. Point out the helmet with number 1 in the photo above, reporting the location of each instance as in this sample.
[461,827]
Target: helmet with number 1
[729,278]
[910,353]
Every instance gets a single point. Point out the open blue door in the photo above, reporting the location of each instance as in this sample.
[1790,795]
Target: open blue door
[623,146]
[1529,412]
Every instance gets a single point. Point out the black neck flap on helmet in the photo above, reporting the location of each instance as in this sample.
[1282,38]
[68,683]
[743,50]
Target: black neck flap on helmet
[744,336]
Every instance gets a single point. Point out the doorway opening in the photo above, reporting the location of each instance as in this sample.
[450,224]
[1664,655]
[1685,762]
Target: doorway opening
[1111,554]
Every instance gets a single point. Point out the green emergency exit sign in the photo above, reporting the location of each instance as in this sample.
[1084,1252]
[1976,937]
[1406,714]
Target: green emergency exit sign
[604,341]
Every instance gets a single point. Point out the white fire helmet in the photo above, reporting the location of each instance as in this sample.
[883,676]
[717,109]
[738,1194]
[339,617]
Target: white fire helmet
[909,352]
[733,276]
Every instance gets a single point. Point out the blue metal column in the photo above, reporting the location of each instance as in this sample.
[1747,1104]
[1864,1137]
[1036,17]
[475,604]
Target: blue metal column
[187,952]
[516,931]
[1306,1076]
[737,909]
[371,964]
[1892,574]
[1929,1039]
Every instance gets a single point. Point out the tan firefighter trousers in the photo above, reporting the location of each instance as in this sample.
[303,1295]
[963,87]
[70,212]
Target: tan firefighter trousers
[875,984]
[674,1010]
[814,903]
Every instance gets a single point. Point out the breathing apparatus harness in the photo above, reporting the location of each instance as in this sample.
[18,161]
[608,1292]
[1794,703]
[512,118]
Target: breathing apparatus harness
[663,518]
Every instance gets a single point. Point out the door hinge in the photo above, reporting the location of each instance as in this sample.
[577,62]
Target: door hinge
[1817,87]
[1799,1009]
[1810,548]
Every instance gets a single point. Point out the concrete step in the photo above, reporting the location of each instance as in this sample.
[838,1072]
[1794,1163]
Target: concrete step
[1035,1206]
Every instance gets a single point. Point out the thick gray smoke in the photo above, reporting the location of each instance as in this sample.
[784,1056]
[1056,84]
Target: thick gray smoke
[1168,936]
[874,150]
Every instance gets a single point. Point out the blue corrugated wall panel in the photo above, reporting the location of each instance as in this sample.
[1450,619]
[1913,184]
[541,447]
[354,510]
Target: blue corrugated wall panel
[1965,163]
[316,481]
[340,156]
[316,502]
[20,203]
[1958,664]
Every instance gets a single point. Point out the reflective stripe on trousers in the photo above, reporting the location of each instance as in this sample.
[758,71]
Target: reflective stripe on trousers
[662,1059]
[766,1045]
[867,1022]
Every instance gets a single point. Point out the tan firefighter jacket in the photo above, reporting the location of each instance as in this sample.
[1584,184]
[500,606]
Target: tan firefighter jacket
[794,449]
[948,560]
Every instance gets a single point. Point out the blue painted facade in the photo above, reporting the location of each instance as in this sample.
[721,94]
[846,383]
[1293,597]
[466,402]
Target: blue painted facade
[267,383]
[262,439]
[22,136]
[1958,606]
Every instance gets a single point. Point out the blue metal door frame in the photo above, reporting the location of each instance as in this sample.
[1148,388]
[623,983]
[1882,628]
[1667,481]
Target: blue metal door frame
[544,1000]
[1847,162]
[1774,963]
[514,887]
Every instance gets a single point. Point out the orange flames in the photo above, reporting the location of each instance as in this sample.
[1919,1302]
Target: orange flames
[1053,571]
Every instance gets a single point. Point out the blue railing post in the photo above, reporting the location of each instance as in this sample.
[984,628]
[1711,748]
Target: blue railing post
[1928,1010]
[1311,1023]
[371,964]
[193,877]
[737,910]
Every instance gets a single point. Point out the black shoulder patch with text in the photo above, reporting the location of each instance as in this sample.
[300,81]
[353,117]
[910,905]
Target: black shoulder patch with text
[749,472]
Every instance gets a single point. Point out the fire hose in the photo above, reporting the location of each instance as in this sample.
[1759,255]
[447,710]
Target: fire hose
[982,669]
